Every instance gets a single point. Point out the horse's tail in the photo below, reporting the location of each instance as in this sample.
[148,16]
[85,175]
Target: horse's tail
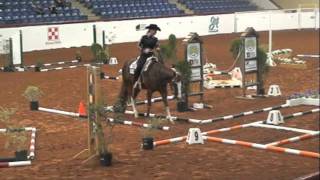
[121,104]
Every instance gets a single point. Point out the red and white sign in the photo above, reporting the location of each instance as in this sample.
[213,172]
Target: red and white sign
[53,34]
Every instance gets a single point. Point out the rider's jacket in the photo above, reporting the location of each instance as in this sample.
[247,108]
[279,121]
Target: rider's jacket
[148,43]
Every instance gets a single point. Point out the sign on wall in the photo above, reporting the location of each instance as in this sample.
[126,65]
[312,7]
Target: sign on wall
[214,24]
[53,35]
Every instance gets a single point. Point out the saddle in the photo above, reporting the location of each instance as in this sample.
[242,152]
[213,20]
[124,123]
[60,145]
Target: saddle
[145,68]
[133,66]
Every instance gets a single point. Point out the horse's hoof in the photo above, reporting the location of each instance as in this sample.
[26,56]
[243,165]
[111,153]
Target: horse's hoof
[171,120]
[136,115]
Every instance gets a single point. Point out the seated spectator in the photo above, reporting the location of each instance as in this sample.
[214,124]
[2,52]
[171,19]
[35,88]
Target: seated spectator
[60,3]
[38,9]
[67,3]
[53,10]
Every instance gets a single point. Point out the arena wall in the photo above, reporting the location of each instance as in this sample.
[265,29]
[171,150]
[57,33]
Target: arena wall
[81,34]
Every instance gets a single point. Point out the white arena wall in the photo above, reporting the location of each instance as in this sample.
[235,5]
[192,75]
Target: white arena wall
[81,34]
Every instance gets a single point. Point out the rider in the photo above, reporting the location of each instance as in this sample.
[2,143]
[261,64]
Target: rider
[147,45]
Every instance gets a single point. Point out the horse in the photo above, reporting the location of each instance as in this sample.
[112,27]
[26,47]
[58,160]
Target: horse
[155,76]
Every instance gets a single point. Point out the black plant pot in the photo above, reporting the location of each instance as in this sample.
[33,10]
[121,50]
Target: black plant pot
[106,159]
[21,155]
[182,106]
[34,105]
[102,75]
[79,58]
[37,69]
[147,143]
[261,92]
[9,69]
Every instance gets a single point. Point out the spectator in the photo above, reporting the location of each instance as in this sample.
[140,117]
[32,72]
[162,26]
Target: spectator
[60,3]
[37,8]
[53,10]
[67,3]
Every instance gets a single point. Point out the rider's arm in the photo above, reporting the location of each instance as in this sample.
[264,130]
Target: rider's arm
[157,47]
[140,43]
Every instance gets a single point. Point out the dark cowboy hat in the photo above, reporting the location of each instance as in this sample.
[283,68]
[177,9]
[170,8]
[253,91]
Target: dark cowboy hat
[154,27]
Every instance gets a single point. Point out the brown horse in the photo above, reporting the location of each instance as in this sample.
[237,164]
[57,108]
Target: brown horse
[155,78]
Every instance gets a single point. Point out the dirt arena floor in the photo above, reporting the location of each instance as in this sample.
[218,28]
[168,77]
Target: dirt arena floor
[59,138]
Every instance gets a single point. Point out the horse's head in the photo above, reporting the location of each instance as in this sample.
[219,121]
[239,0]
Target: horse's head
[176,84]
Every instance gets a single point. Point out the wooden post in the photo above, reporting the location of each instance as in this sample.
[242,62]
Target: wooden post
[96,144]
[250,63]
[193,55]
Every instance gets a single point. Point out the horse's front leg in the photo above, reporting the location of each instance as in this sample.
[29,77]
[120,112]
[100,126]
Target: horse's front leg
[165,102]
[133,102]
[149,96]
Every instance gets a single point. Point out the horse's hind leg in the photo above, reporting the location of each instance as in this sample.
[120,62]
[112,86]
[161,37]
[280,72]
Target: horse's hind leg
[165,102]
[133,102]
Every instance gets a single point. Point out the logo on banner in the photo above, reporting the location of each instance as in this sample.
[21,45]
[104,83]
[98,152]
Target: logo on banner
[53,35]
[214,24]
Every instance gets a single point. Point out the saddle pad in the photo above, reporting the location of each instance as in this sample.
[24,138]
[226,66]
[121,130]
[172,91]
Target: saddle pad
[149,62]
[133,66]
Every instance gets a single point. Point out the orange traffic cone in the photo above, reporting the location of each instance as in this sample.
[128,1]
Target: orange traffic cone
[82,110]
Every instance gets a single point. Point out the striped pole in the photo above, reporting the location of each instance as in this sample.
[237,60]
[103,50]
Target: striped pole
[265,147]
[269,126]
[32,144]
[66,67]
[153,100]
[143,125]
[55,63]
[182,138]
[111,77]
[308,56]
[301,113]
[244,114]
[294,139]
[175,118]
[226,86]
[104,76]
[198,121]
[14,164]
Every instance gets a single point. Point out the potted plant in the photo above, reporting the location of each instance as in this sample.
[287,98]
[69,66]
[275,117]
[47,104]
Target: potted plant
[148,133]
[78,55]
[38,66]
[106,155]
[33,94]
[16,140]
[185,70]
[169,51]
[16,136]
[107,54]
[98,53]
[101,57]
